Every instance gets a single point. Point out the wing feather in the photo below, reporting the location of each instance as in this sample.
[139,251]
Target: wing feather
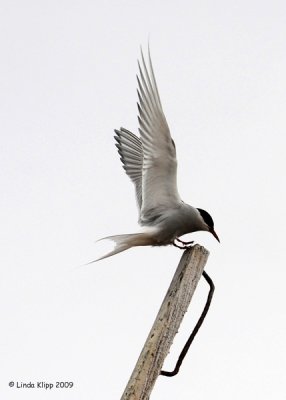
[159,173]
[150,161]
[130,150]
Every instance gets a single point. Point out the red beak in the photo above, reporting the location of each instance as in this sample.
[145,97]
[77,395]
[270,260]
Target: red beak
[215,235]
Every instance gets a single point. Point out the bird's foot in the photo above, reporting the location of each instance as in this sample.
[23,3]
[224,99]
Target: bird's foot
[185,245]
[179,247]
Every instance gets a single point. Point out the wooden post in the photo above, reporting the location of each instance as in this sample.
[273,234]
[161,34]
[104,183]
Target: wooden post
[166,325]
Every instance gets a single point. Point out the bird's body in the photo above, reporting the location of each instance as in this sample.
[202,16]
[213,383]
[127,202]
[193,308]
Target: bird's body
[151,164]
[171,223]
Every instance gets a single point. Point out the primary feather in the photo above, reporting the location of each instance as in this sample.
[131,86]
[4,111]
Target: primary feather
[159,173]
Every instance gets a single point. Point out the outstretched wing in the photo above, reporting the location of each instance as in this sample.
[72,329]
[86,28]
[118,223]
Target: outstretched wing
[130,151]
[159,172]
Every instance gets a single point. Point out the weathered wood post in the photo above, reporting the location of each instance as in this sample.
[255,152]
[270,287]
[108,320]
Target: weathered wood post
[166,325]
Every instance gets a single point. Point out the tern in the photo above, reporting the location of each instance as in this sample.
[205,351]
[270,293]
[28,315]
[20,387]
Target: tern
[150,162]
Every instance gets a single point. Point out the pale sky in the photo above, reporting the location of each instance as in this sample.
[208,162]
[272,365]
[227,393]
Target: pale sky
[67,78]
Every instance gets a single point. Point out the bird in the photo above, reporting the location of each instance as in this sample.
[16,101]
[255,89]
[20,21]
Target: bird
[150,162]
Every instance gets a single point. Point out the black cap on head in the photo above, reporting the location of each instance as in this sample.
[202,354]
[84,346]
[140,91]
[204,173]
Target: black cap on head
[206,217]
[209,221]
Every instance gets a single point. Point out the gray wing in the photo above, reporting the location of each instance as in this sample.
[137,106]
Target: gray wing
[130,151]
[159,173]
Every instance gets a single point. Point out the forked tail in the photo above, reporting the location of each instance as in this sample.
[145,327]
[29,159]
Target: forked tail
[124,242]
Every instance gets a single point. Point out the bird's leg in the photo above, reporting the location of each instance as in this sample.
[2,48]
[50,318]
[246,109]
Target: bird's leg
[179,247]
[184,243]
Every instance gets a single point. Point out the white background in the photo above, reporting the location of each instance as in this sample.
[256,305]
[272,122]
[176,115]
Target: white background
[67,77]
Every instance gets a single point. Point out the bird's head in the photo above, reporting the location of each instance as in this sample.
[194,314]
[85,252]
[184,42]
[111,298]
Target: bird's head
[208,222]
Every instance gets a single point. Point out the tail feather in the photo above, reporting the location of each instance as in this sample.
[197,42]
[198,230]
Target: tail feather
[124,242]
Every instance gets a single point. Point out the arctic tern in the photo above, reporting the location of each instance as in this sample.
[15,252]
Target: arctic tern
[151,164]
